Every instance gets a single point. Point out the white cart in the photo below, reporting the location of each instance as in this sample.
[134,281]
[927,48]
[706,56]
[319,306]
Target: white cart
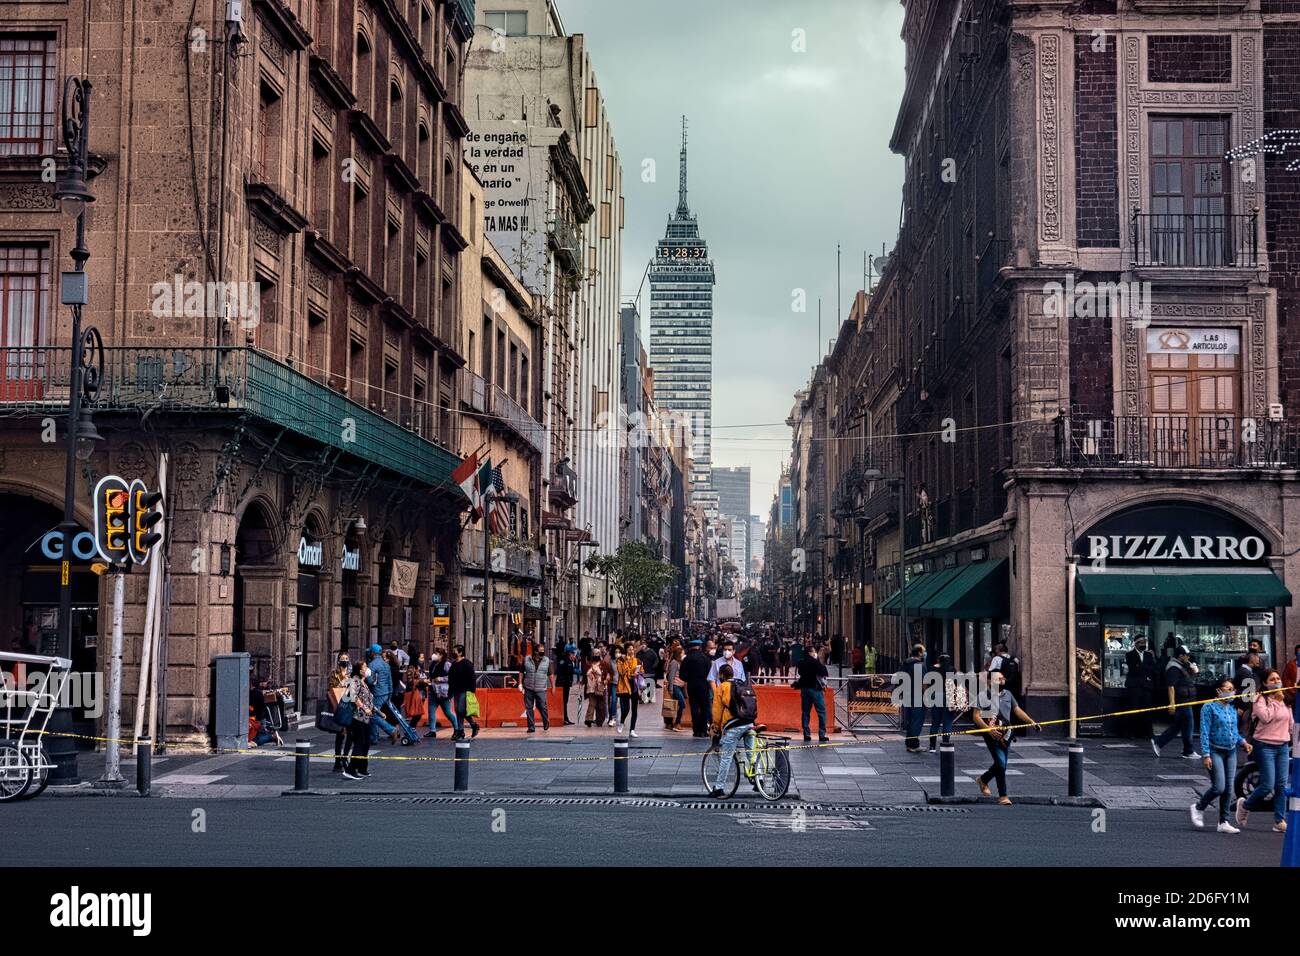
[30,687]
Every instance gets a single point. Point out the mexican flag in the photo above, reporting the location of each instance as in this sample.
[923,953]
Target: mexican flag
[466,475]
[482,482]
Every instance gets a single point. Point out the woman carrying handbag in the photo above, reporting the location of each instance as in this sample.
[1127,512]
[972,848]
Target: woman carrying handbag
[337,679]
[354,712]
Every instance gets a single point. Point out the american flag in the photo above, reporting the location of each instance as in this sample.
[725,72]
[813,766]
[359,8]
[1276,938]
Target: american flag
[499,516]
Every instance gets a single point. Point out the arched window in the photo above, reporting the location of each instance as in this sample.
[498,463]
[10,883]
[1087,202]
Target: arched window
[423,151]
[365,71]
[395,127]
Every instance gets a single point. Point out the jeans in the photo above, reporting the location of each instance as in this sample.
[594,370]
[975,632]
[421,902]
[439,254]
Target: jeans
[679,694]
[914,721]
[1000,753]
[536,698]
[1272,761]
[1223,769]
[809,699]
[727,746]
[444,704]
[941,719]
[1182,724]
[378,725]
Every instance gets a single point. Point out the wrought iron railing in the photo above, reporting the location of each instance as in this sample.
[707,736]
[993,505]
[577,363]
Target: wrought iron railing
[217,379]
[1176,441]
[1196,240]
[512,415]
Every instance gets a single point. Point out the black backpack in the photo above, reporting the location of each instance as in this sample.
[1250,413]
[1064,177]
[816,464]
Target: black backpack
[1011,673]
[744,703]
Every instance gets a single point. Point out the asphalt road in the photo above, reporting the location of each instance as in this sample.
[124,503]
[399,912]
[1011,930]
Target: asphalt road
[320,831]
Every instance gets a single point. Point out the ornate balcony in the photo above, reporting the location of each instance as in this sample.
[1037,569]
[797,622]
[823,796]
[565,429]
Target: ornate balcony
[224,380]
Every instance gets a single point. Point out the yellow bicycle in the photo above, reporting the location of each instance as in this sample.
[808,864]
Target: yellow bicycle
[765,763]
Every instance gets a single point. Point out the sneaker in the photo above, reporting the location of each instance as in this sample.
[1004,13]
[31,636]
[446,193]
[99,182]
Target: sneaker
[610,723]
[474,732]
[1194,756]
[823,740]
[807,738]
[1198,816]
[618,728]
[350,775]
[1242,814]
[430,734]
[1004,801]
[1155,747]
[532,730]
[634,733]
[717,793]
[1279,827]
[1226,827]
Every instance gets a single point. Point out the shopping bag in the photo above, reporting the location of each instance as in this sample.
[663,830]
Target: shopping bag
[471,704]
[669,708]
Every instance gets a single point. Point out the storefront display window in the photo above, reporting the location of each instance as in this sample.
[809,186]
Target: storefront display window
[1117,640]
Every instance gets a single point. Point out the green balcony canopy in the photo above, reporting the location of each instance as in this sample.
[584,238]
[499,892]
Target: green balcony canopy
[919,589]
[977,591]
[1167,587]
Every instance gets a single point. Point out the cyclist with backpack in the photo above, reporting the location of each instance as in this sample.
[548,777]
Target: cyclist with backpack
[735,710]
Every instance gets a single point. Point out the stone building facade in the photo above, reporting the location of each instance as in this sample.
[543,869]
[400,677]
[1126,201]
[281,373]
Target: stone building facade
[274,253]
[1082,333]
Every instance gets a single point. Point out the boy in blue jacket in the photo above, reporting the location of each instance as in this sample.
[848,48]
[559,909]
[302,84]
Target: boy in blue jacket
[1219,742]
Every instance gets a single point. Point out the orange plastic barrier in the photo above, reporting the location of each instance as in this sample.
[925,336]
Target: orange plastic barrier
[504,706]
[779,708]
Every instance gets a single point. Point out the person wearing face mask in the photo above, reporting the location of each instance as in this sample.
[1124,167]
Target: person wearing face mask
[1273,723]
[1219,742]
[356,691]
[729,658]
[440,694]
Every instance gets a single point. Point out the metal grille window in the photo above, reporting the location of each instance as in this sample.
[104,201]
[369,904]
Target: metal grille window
[27,96]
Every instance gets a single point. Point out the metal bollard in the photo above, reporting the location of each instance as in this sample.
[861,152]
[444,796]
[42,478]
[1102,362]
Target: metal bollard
[1076,769]
[301,764]
[143,765]
[620,765]
[461,765]
[947,770]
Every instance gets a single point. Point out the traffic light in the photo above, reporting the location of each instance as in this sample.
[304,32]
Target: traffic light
[112,523]
[145,513]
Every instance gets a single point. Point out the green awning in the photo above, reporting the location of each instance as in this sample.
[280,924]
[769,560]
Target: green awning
[979,590]
[1164,587]
[918,589]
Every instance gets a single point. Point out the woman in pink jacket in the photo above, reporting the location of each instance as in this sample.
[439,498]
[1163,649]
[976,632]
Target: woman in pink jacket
[1273,721]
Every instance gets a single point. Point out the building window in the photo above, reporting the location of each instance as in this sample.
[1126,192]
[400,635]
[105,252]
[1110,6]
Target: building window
[511,23]
[360,226]
[1189,222]
[423,151]
[24,305]
[357,370]
[606,219]
[27,96]
[448,187]
[592,112]
[322,182]
[393,258]
[317,345]
[426,28]
[268,134]
[395,116]
[365,72]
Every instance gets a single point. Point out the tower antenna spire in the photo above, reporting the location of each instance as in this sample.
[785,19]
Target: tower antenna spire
[682,208]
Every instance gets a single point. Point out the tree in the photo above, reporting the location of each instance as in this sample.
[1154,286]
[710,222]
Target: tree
[757,605]
[638,575]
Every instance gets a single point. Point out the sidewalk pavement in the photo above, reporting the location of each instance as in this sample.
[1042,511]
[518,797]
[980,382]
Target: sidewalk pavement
[871,768]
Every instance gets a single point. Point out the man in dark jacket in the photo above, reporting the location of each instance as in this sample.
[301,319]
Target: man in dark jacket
[811,684]
[695,672]
[461,680]
[912,708]
[1140,686]
[565,674]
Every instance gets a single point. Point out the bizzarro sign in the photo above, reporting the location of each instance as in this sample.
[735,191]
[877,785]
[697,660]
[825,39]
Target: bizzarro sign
[1172,533]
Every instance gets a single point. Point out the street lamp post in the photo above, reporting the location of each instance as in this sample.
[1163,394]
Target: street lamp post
[85,371]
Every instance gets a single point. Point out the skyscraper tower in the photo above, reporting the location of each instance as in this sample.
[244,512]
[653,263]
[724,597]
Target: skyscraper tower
[681,329]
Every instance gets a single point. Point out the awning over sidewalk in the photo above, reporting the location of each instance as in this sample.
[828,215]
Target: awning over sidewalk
[1166,587]
[979,590]
[919,589]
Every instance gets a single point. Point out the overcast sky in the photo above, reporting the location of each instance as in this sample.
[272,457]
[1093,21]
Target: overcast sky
[788,155]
